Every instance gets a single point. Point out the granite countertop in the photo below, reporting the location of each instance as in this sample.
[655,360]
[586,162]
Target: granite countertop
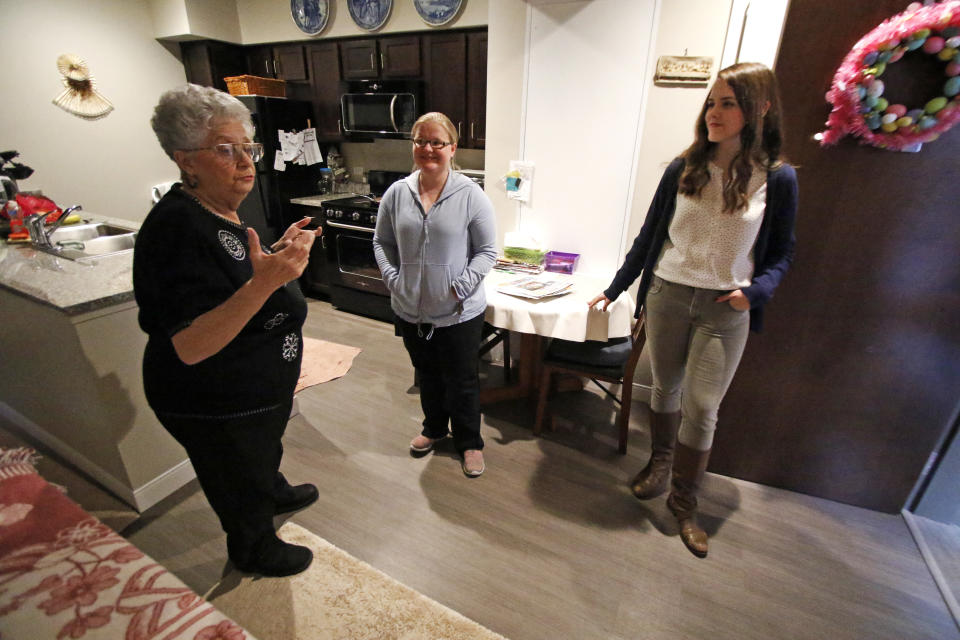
[71,286]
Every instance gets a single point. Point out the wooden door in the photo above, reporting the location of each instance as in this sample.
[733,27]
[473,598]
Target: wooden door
[289,63]
[446,91]
[400,57]
[857,372]
[477,89]
[207,62]
[260,62]
[359,59]
[324,60]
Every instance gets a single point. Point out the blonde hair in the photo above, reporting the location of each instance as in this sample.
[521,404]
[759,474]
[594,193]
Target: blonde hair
[435,117]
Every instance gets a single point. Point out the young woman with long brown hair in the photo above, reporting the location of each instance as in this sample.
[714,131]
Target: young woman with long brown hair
[715,244]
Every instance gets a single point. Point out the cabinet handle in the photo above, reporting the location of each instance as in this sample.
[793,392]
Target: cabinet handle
[383,63]
[471,129]
[459,132]
[266,65]
[276,68]
[339,128]
[373,63]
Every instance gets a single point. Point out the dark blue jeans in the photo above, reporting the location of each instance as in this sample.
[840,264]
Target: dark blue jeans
[449,378]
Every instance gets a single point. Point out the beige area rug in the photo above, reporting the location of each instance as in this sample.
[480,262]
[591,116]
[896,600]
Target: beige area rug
[338,597]
[323,361]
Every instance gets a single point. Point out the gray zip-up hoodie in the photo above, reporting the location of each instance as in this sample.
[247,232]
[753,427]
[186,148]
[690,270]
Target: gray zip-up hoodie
[426,257]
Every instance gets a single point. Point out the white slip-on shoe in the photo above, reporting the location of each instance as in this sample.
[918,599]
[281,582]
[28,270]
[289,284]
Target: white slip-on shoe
[422,444]
[472,464]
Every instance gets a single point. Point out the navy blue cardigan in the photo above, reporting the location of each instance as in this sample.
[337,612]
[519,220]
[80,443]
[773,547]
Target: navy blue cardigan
[772,253]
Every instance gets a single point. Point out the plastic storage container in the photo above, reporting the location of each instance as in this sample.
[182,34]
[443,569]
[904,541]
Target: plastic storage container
[560,262]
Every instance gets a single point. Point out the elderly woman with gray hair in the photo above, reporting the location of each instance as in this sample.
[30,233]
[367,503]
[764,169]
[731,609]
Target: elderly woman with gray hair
[223,314]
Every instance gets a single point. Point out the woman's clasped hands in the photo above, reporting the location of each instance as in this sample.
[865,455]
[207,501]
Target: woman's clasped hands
[289,256]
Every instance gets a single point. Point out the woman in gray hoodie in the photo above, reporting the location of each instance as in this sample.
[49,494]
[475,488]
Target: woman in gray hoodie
[435,243]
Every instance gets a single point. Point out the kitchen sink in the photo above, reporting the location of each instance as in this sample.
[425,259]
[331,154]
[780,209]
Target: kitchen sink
[76,242]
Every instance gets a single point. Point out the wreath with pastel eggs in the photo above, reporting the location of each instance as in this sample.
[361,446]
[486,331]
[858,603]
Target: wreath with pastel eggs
[856,93]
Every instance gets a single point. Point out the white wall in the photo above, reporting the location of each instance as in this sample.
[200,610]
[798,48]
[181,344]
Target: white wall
[584,102]
[107,165]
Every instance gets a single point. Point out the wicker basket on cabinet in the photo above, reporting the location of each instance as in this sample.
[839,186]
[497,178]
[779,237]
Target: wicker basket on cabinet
[255,86]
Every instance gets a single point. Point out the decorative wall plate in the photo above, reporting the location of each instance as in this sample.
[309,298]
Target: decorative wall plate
[438,12]
[370,14]
[310,16]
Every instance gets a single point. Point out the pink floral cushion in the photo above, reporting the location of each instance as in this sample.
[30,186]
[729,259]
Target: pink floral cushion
[64,574]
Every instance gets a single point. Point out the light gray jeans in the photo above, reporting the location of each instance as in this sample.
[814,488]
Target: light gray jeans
[695,345]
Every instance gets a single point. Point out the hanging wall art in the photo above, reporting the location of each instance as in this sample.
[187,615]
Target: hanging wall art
[437,12]
[857,91]
[79,96]
[310,16]
[370,14]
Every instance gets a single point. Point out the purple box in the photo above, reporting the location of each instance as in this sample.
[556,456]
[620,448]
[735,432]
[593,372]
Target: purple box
[560,262]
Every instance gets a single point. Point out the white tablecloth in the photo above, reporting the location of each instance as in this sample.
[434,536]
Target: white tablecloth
[566,316]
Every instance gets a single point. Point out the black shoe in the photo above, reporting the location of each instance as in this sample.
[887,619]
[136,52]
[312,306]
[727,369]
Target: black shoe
[273,557]
[292,498]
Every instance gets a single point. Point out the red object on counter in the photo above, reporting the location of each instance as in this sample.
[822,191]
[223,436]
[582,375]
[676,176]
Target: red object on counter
[30,205]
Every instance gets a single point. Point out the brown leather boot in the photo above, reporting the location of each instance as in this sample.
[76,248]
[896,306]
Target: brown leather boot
[653,480]
[689,465]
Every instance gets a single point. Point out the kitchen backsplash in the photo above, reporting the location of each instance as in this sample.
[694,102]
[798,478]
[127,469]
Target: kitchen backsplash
[394,155]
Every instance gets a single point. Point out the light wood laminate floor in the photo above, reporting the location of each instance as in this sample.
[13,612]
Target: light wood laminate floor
[549,543]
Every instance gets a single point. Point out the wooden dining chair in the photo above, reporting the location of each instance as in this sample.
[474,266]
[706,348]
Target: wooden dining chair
[613,361]
[491,337]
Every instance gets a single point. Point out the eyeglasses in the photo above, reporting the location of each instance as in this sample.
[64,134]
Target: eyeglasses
[233,152]
[434,144]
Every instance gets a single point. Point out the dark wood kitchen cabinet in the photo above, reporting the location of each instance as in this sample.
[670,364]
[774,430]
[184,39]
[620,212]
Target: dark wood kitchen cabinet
[381,58]
[445,63]
[324,62]
[283,62]
[456,82]
[208,62]
[476,90]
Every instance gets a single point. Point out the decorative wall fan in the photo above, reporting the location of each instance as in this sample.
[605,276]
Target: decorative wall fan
[79,97]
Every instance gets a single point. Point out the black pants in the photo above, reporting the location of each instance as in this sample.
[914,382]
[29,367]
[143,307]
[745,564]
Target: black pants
[449,378]
[237,461]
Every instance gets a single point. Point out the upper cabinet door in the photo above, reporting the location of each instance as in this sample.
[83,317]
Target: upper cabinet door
[289,64]
[359,59]
[477,89]
[208,62]
[445,59]
[260,62]
[325,88]
[400,57]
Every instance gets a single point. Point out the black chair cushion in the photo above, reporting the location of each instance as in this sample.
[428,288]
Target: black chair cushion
[612,354]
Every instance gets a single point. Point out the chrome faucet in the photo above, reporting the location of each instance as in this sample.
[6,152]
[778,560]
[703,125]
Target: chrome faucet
[40,236]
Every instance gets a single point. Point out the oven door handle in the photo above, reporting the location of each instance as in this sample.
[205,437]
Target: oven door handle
[340,225]
[393,118]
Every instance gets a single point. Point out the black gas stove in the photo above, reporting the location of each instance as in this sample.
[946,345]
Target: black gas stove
[352,271]
[360,211]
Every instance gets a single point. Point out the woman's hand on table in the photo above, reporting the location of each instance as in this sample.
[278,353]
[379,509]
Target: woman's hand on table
[735,299]
[602,299]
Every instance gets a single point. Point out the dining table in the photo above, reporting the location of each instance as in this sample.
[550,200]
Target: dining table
[538,320]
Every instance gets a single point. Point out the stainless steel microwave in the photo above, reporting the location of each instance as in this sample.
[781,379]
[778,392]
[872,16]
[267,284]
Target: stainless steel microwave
[380,109]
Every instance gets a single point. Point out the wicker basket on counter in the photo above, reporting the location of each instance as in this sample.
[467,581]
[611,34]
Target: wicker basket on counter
[255,86]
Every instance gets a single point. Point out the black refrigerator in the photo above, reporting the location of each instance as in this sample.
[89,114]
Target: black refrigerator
[267,207]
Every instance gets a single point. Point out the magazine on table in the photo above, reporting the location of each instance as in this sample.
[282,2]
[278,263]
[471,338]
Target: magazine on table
[536,287]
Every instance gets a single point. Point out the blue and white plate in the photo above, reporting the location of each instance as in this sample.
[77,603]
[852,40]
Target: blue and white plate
[438,12]
[310,16]
[370,14]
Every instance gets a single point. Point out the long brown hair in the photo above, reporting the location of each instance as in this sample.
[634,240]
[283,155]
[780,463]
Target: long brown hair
[753,86]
